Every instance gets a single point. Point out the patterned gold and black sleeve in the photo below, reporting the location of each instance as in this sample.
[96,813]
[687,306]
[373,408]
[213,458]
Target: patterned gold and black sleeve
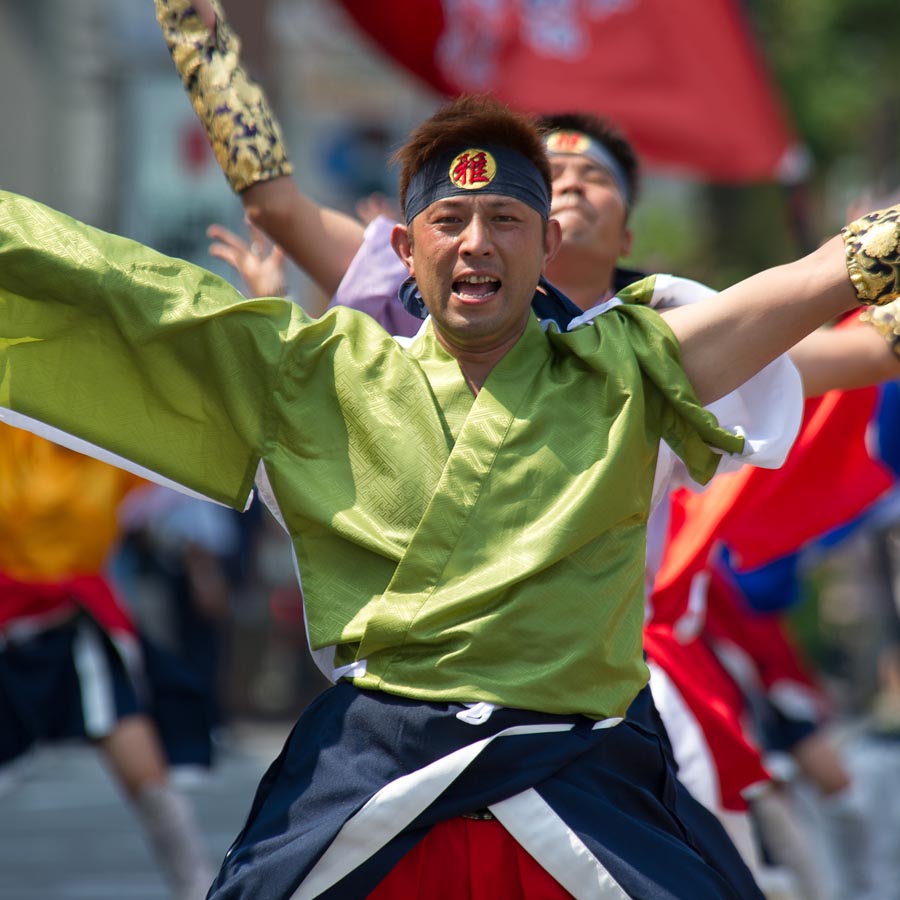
[239,122]
[873,259]
[885,320]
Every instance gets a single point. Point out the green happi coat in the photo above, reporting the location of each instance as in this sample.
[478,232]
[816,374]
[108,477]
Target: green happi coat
[485,548]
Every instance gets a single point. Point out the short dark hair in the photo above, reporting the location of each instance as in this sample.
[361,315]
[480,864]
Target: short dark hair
[471,119]
[604,132]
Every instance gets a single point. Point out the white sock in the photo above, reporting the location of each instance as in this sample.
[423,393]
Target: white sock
[775,882]
[168,821]
[789,846]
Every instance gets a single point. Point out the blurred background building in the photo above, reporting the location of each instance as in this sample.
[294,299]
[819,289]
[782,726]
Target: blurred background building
[98,124]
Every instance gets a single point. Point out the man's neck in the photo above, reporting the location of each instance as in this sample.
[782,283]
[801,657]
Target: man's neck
[585,282]
[477,364]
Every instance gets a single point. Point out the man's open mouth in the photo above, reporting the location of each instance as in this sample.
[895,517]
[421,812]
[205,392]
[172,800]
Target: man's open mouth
[476,287]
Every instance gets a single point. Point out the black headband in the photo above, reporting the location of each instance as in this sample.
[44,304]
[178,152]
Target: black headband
[467,170]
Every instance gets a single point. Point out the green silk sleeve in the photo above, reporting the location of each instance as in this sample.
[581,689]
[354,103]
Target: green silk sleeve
[690,430]
[152,360]
[631,342]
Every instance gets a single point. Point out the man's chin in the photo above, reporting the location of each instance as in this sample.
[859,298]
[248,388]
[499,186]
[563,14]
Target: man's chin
[472,319]
[574,229]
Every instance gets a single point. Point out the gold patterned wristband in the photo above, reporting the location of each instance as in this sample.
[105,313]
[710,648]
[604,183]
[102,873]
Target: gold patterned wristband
[886,321]
[239,122]
[873,260]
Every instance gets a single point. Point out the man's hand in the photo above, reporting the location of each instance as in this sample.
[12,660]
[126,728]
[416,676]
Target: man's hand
[260,262]
[375,205]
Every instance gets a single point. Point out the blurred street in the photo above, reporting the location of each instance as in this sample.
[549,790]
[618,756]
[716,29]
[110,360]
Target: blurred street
[65,833]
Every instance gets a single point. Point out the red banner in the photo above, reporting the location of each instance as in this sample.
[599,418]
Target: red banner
[683,80]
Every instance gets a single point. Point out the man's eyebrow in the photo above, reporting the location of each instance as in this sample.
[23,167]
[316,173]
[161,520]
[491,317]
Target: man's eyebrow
[593,166]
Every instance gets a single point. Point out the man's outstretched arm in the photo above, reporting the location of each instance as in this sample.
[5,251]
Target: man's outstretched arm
[248,144]
[727,338]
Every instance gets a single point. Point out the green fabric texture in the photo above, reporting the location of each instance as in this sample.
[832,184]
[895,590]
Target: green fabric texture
[468,548]
[128,349]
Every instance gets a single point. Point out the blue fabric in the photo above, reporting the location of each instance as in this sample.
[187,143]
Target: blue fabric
[178,704]
[778,586]
[773,587]
[40,694]
[612,785]
[887,419]
[779,731]
[40,691]
[552,305]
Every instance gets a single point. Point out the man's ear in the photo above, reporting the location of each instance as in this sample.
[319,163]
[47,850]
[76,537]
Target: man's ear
[402,244]
[552,240]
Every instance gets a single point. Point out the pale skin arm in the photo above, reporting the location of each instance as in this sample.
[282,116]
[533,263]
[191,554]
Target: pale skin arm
[728,338]
[844,359]
[260,262]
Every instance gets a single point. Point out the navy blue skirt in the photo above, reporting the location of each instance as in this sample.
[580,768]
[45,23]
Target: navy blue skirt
[364,775]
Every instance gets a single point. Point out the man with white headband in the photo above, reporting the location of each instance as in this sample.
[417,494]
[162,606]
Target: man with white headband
[595,185]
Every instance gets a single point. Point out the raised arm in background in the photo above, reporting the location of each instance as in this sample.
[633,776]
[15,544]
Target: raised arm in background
[845,358]
[248,143]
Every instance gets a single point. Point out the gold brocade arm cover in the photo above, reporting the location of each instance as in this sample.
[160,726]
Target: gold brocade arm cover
[244,133]
[886,321]
[873,260]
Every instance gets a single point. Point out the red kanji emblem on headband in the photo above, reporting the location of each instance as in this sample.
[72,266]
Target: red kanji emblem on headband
[567,142]
[473,169]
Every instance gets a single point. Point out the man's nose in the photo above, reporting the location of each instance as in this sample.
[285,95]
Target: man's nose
[567,182]
[476,238]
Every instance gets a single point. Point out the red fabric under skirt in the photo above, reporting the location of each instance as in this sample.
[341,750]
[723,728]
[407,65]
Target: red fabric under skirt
[468,859]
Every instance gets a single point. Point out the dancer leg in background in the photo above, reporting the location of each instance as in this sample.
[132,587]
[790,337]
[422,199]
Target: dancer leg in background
[70,657]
